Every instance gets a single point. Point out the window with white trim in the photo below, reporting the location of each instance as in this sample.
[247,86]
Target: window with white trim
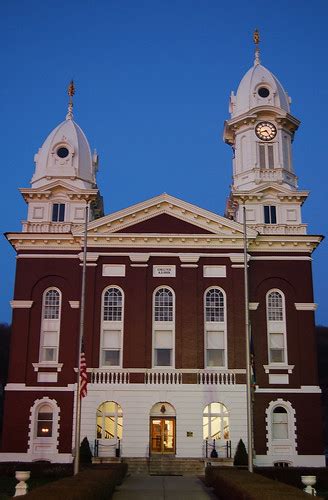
[112,327]
[266,155]
[163,327]
[50,326]
[216,422]
[109,421]
[270,214]
[215,328]
[44,426]
[279,423]
[58,212]
[276,327]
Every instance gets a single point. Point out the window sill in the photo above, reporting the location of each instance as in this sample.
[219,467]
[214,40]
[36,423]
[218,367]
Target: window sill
[44,364]
[278,366]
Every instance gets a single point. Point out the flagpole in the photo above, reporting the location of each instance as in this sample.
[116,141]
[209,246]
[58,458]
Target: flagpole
[248,356]
[81,332]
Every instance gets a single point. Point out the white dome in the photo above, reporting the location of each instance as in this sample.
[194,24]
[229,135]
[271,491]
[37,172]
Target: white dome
[258,78]
[65,154]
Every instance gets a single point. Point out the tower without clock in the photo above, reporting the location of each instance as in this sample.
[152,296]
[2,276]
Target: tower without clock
[165,326]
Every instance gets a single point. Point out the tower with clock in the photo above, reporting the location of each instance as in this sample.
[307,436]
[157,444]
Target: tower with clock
[261,131]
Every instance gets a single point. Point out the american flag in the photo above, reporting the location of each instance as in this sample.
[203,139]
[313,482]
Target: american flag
[83,375]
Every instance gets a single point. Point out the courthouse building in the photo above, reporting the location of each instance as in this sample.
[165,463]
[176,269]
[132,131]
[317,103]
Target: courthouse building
[165,306]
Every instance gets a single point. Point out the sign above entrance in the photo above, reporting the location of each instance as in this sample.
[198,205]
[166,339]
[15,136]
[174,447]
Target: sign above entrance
[164,271]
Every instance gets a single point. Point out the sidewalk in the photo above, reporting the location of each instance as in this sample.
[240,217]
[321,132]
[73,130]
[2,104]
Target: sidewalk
[162,488]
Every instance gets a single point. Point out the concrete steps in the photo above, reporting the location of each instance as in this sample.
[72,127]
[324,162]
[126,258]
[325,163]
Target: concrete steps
[165,465]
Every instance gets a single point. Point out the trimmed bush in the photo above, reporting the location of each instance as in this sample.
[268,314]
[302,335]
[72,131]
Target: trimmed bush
[234,484]
[85,452]
[241,455]
[90,484]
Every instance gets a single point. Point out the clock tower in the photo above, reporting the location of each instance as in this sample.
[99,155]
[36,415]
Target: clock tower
[261,131]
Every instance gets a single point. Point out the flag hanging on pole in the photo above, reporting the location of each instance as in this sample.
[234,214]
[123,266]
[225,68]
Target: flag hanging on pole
[83,375]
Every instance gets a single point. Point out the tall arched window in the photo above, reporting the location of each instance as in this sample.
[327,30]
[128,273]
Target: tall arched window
[215,328]
[44,421]
[276,327]
[279,423]
[112,327]
[50,326]
[163,327]
[109,421]
[216,422]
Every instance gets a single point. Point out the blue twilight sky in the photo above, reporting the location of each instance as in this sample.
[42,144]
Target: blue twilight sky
[153,80]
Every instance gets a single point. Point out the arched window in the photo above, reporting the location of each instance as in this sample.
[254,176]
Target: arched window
[279,423]
[215,328]
[109,421]
[112,327]
[276,327]
[216,422]
[43,433]
[163,305]
[44,421]
[113,301]
[50,326]
[163,327]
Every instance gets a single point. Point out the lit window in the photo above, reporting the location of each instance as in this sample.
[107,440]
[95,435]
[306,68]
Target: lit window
[163,328]
[270,216]
[58,212]
[44,421]
[112,328]
[215,329]
[109,421]
[216,422]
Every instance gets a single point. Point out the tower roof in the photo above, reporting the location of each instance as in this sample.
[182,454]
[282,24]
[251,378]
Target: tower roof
[65,154]
[259,87]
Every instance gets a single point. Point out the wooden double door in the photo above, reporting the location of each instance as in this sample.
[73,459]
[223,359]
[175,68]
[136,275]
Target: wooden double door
[162,435]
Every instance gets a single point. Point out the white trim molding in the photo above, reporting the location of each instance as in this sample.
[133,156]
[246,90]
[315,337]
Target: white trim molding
[253,306]
[306,306]
[43,448]
[278,448]
[75,304]
[304,389]
[26,388]
[282,366]
[44,364]
[21,304]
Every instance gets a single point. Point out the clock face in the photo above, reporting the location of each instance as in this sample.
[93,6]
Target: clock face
[265,131]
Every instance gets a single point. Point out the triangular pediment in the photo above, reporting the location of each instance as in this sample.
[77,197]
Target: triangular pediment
[166,214]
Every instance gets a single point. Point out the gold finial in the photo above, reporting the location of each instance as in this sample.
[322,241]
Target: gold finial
[256,39]
[70,92]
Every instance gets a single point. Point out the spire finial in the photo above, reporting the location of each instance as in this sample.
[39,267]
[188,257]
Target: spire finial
[256,39]
[70,92]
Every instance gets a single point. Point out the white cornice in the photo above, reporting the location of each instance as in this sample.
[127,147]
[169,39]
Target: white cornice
[21,304]
[306,306]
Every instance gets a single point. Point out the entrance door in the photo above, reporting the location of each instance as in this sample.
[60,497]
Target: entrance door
[162,435]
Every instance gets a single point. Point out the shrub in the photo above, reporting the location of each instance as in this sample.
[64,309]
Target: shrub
[85,452]
[241,455]
[236,484]
[90,484]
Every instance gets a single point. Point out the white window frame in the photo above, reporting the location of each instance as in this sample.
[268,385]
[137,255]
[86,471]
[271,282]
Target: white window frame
[111,326]
[213,414]
[220,326]
[286,446]
[44,447]
[168,326]
[277,326]
[115,414]
[50,325]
